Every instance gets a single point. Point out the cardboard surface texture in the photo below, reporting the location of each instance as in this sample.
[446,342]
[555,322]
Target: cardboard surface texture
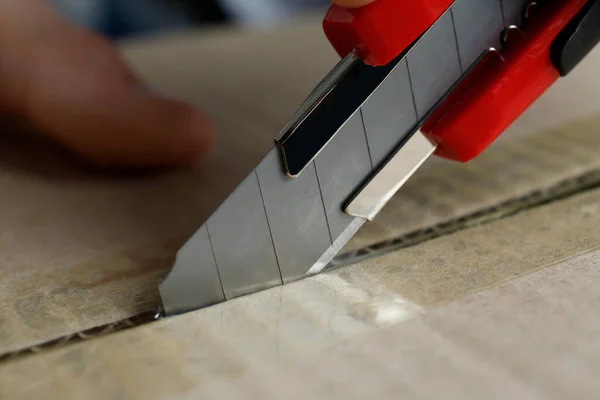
[504,309]
[372,329]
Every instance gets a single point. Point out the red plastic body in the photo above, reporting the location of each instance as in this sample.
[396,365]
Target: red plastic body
[382,30]
[501,87]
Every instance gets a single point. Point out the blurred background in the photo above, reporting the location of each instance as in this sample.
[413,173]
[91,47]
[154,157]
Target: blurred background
[122,18]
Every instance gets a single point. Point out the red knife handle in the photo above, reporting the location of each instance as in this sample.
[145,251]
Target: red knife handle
[503,85]
[382,30]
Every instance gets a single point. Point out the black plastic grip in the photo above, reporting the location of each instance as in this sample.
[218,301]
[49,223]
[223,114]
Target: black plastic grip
[578,38]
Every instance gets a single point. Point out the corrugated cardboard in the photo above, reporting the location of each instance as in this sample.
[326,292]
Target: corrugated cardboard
[506,310]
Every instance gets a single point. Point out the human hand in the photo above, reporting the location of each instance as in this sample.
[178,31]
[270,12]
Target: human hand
[74,87]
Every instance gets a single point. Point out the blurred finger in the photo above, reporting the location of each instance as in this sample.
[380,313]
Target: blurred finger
[81,93]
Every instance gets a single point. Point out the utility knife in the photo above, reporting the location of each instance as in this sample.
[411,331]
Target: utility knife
[416,78]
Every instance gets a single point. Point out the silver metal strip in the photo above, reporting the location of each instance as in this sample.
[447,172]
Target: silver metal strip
[389,115]
[434,65]
[242,242]
[341,167]
[476,35]
[194,280]
[300,233]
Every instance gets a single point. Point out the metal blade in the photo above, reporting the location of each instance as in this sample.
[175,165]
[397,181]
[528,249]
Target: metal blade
[194,279]
[274,229]
[303,216]
[479,25]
